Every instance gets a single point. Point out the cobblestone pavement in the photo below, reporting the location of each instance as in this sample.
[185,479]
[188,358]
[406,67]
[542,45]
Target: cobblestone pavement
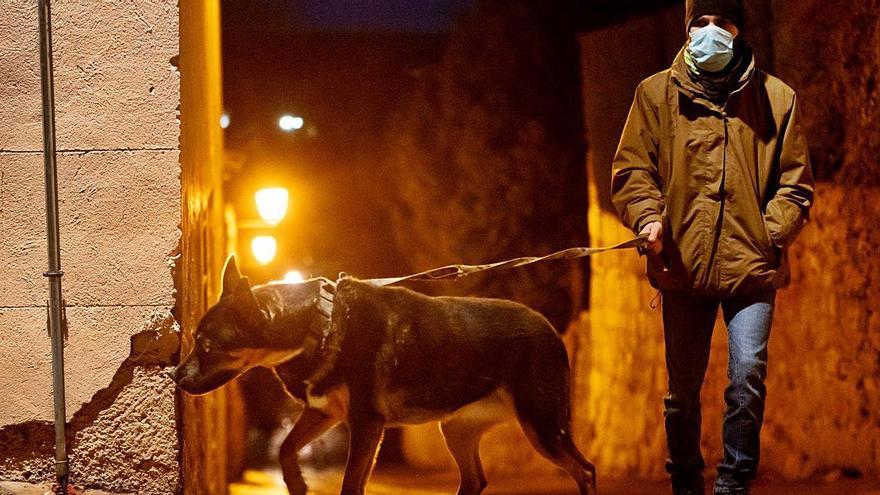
[388,482]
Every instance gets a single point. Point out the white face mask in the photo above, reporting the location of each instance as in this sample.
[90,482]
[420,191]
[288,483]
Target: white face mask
[711,48]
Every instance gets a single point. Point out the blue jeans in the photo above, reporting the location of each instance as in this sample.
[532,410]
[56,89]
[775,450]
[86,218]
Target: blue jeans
[688,321]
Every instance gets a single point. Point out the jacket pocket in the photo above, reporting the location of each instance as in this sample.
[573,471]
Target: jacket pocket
[772,252]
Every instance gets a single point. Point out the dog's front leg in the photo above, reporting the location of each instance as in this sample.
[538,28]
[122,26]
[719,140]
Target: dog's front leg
[366,435]
[310,425]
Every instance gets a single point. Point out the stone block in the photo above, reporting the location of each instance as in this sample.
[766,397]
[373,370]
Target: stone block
[115,84]
[118,213]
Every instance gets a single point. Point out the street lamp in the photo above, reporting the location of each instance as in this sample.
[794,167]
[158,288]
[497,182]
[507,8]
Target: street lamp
[264,248]
[272,204]
[289,123]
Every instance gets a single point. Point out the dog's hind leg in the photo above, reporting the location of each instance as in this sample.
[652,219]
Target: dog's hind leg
[541,399]
[310,425]
[462,436]
[559,448]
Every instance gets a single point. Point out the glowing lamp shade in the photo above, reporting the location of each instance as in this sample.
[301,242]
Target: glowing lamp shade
[264,248]
[290,123]
[293,277]
[272,204]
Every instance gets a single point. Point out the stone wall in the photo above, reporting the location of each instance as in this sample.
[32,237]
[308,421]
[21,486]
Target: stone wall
[116,93]
[206,426]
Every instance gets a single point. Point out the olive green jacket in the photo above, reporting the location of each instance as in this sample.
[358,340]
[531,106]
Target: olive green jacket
[732,184]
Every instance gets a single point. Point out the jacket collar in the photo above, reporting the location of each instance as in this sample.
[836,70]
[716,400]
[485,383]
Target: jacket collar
[692,89]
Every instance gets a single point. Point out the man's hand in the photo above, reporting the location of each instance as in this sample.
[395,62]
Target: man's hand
[655,236]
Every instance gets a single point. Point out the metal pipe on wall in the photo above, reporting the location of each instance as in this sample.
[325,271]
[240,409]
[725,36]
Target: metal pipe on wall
[56,320]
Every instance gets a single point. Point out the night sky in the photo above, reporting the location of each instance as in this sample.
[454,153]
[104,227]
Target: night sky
[385,15]
[404,16]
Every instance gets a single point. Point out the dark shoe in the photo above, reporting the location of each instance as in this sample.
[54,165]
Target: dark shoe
[730,491]
[689,491]
[727,484]
[690,484]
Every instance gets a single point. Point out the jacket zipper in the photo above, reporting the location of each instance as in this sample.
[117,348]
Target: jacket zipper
[713,255]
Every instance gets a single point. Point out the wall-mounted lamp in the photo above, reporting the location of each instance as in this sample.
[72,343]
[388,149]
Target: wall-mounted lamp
[289,123]
[264,248]
[272,204]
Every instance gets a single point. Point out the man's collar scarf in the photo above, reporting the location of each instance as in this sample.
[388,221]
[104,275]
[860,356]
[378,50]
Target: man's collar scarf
[716,86]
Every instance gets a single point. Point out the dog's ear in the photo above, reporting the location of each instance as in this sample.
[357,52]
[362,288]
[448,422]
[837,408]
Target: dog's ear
[231,277]
[245,302]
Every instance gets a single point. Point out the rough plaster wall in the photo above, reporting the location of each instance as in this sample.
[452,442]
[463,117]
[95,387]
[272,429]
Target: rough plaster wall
[123,447]
[213,435]
[824,369]
[618,364]
[824,364]
[114,87]
[116,93]
[834,66]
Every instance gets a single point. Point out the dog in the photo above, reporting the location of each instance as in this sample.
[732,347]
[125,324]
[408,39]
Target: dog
[390,356]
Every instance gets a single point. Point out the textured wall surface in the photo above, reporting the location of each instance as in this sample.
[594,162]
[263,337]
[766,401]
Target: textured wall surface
[619,374]
[117,134]
[206,427]
[829,51]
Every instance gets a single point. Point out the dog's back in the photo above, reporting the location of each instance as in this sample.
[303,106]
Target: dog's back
[425,357]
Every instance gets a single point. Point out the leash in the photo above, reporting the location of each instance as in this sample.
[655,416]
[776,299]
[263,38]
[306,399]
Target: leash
[454,272]
[318,339]
[327,292]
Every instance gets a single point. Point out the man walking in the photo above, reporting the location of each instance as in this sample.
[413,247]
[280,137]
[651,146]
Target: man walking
[714,167]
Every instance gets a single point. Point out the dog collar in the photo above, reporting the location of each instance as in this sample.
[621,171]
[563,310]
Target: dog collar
[316,339]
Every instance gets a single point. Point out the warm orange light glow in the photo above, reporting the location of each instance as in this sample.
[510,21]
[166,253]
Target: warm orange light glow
[272,204]
[264,248]
[294,277]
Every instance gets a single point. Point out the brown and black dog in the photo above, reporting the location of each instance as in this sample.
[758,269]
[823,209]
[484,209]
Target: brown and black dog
[392,356]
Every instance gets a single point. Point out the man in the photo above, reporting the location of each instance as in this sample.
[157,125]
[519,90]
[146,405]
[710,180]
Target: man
[714,167]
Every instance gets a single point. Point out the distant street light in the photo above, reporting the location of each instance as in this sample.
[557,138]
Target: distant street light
[224,121]
[293,277]
[272,204]
[290,123]
[264,248]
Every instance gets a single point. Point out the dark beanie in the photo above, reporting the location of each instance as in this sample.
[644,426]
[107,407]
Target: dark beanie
[730,9]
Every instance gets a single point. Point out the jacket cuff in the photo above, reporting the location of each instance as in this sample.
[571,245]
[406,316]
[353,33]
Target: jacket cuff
[645,220]
[786,231]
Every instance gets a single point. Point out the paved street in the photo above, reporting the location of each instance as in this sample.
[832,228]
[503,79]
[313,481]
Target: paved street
[415,483]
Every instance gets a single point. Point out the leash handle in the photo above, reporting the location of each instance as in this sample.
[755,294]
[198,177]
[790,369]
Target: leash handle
[642,249]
